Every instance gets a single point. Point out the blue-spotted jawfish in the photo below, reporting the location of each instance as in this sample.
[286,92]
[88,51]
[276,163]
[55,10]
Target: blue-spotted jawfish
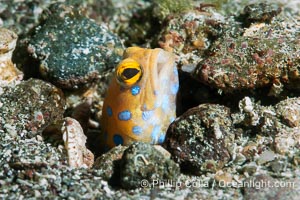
[140,102]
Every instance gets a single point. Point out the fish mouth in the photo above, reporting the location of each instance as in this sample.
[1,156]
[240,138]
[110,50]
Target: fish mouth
[160,66]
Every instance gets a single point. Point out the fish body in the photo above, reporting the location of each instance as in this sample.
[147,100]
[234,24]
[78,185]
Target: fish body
[140,102]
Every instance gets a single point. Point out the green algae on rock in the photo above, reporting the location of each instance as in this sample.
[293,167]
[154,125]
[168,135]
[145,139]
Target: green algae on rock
[29,107]
[164,8]
[73,50]
[199,139]
[141,162]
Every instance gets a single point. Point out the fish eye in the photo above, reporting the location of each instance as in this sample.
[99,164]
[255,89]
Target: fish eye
[129,72]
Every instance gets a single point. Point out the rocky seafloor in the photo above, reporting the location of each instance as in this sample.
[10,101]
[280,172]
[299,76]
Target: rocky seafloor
[237,132]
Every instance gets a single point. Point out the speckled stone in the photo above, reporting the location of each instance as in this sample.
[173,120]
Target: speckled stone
[142,162]
[130,19]
[201,134]
[262,55]
[73,50]
[289,112]
[32,168]
[190,34]
[279,122]
[260,12]
[25,110]
[29,107]
[109,163]
[21,16]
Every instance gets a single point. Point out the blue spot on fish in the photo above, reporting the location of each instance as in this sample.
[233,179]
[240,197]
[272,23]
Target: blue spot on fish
[175,71]
[155,134]
[172,119]
[135,90]
[118,140]
[157,104]
[124,115]
[137,130]
[161,138]
[109,111]
[174,88]
[146,115]
[165,103]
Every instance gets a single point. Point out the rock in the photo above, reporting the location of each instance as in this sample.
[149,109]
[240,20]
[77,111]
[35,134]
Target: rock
[109,164]
[21,22]
[253,114]
[28,108]
[296,159]
[249,168]
[289,111]
[142,162]
[202,133]
[277,166]
[265,157]
[287,141]
[166,8]
[250,150]
[33,167]
[74,57]
[279,122]
[189,35]
[8,71]
[137,22]
[162,151]
[264,55]
[260,12]
[25,111]
[223,177]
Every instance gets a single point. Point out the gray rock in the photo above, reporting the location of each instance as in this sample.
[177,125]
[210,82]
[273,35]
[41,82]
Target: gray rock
[200,135]
[143,163]
[73,50]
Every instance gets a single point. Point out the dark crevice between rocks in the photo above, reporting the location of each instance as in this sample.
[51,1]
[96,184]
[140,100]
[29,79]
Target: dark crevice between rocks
[115,179]
[24,61]
[193,93]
